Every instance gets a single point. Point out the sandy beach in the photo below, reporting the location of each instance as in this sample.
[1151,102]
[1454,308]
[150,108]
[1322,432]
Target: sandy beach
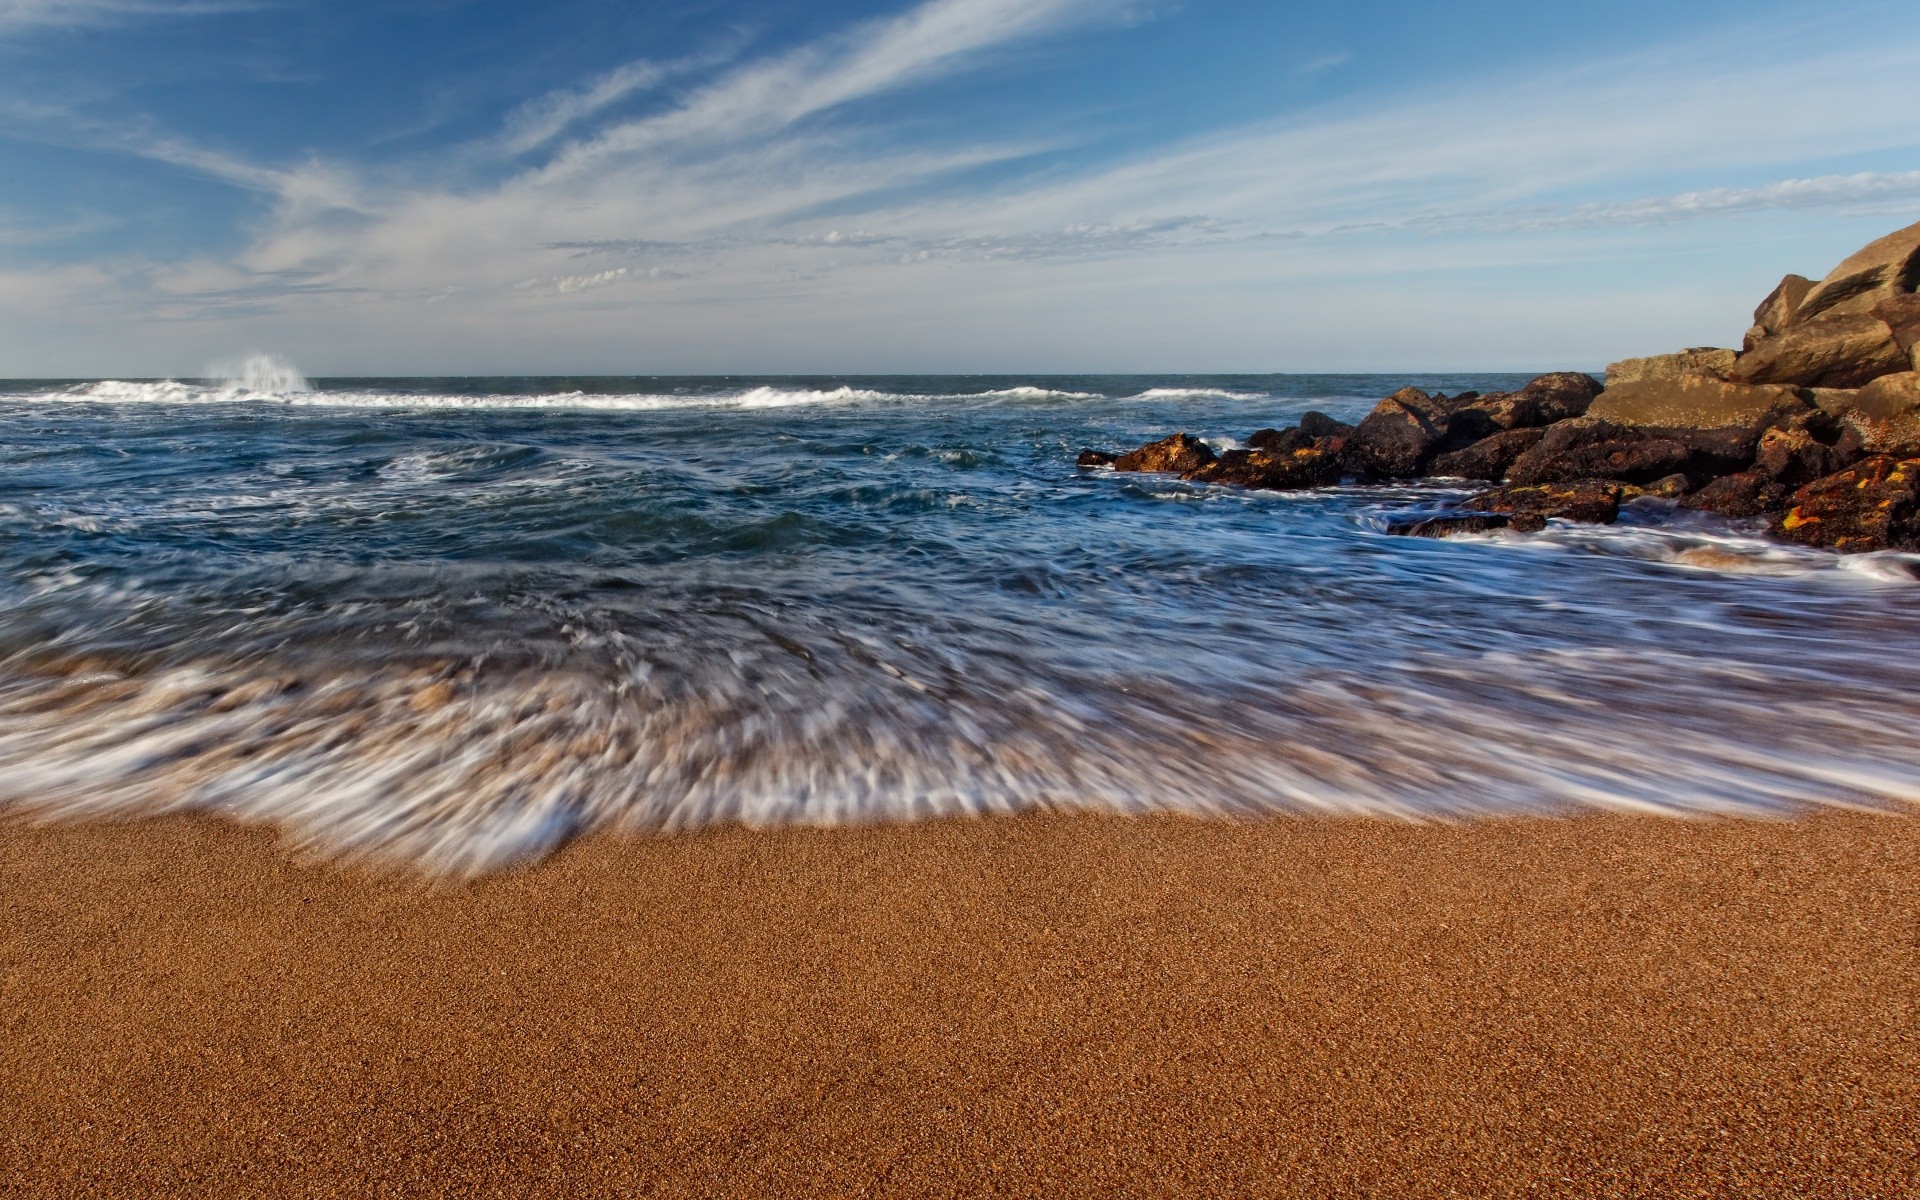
[1043,1005]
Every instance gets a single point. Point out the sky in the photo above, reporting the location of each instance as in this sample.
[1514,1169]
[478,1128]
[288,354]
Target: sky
[880,186]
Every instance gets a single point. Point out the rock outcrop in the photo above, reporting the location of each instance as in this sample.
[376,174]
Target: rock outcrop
[1814,423]
[1177,455]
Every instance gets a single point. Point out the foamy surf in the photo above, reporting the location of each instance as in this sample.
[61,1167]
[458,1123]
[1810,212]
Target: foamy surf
[452,623]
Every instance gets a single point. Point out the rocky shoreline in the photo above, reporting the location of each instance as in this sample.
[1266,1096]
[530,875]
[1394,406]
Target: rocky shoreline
[1814,424]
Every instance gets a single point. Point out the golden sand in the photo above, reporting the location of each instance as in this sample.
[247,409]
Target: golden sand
[1044,1006]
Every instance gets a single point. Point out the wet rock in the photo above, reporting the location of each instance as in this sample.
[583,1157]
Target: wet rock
[1778,309]
[1592,448]
[1320,425]
[1178,454]
[1746,494]
[1844,350]
[1489,458]
[1450,525]
[1701,360]
[1281,441]
[1312,466]
[1884,268]
[1093,458]
[1793,457]
[1589,501]
[1861,434]
[1667,487]
[1398,437]
[1872,505]
[1543,401]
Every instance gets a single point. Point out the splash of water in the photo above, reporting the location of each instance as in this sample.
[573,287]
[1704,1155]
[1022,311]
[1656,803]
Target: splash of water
[260,375]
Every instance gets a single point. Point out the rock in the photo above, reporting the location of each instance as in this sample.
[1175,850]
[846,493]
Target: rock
[1489,458]
[1448,526]
[1399,435]
[1282,441]
[1792,457]
[1898,435]
[1873,505]
[1902,314]
[1312,466]
[1590,501]
[1702,360]
[1838,351]
[1320,425]
[1884,268]
[1545,400]
[1694,402]
[1090,459]
[1592,448]
[1177,454]
[1778,309]
[1667,487]
[1888,396]
[1746,494]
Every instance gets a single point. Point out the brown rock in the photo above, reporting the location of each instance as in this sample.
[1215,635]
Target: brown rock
[1781,304]
[1888,396]
[1667,487]
[1884,268]
[1400,434]
[1898,435]
[1090,459]
[1448,526]
[1320,425]
[1746,494]
[1177,454]
[1701,360]
[1873,505]
[1592,448]
[1589,501]
[1901,312]
[1489,458]
[1793,457]
[1543,401]
[1694,402]
[1307,467]
[1844,350]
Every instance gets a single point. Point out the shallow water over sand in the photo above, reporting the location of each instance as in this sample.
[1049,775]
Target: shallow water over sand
[457,621]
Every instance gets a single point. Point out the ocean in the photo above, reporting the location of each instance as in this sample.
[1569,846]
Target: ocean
[451,623]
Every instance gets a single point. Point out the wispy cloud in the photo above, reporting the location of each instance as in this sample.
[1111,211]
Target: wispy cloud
[776,188]
[18,15]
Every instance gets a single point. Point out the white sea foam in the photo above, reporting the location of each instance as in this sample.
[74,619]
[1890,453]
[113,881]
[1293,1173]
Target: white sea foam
[1196,393]
[260,382]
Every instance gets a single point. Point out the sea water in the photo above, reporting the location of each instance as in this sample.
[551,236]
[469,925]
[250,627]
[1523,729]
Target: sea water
[452,622]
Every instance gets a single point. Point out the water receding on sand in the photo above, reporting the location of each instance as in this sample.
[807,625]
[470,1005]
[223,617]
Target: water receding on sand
[455,622]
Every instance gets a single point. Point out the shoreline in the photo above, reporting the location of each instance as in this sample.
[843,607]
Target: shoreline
[1040,1004]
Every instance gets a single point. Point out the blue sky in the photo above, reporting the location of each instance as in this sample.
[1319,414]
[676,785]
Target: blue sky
[473,186]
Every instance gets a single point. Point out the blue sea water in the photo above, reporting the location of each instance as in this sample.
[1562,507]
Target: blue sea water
[453,622]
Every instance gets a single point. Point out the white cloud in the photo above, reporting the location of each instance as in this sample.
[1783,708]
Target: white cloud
[58,14]
[760,199]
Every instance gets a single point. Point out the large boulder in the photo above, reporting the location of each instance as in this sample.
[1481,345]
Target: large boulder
[1883,269]
[1545,400]
[1701,360]
[1592,448]
[1694,402]
[1317,465]
[1872,505]
[1902,315]
[1897,435]
[1489,458]
[1590,501]
[1401,433]
[1745,494]
[1842,350]
[1888,396]
[1781,304]
[1795,457]
[1177,455]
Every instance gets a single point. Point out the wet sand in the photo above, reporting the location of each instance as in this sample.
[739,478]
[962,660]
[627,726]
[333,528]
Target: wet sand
[1044,1005]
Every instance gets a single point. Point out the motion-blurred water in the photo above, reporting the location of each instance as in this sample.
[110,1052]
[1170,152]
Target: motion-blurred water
[455,621]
